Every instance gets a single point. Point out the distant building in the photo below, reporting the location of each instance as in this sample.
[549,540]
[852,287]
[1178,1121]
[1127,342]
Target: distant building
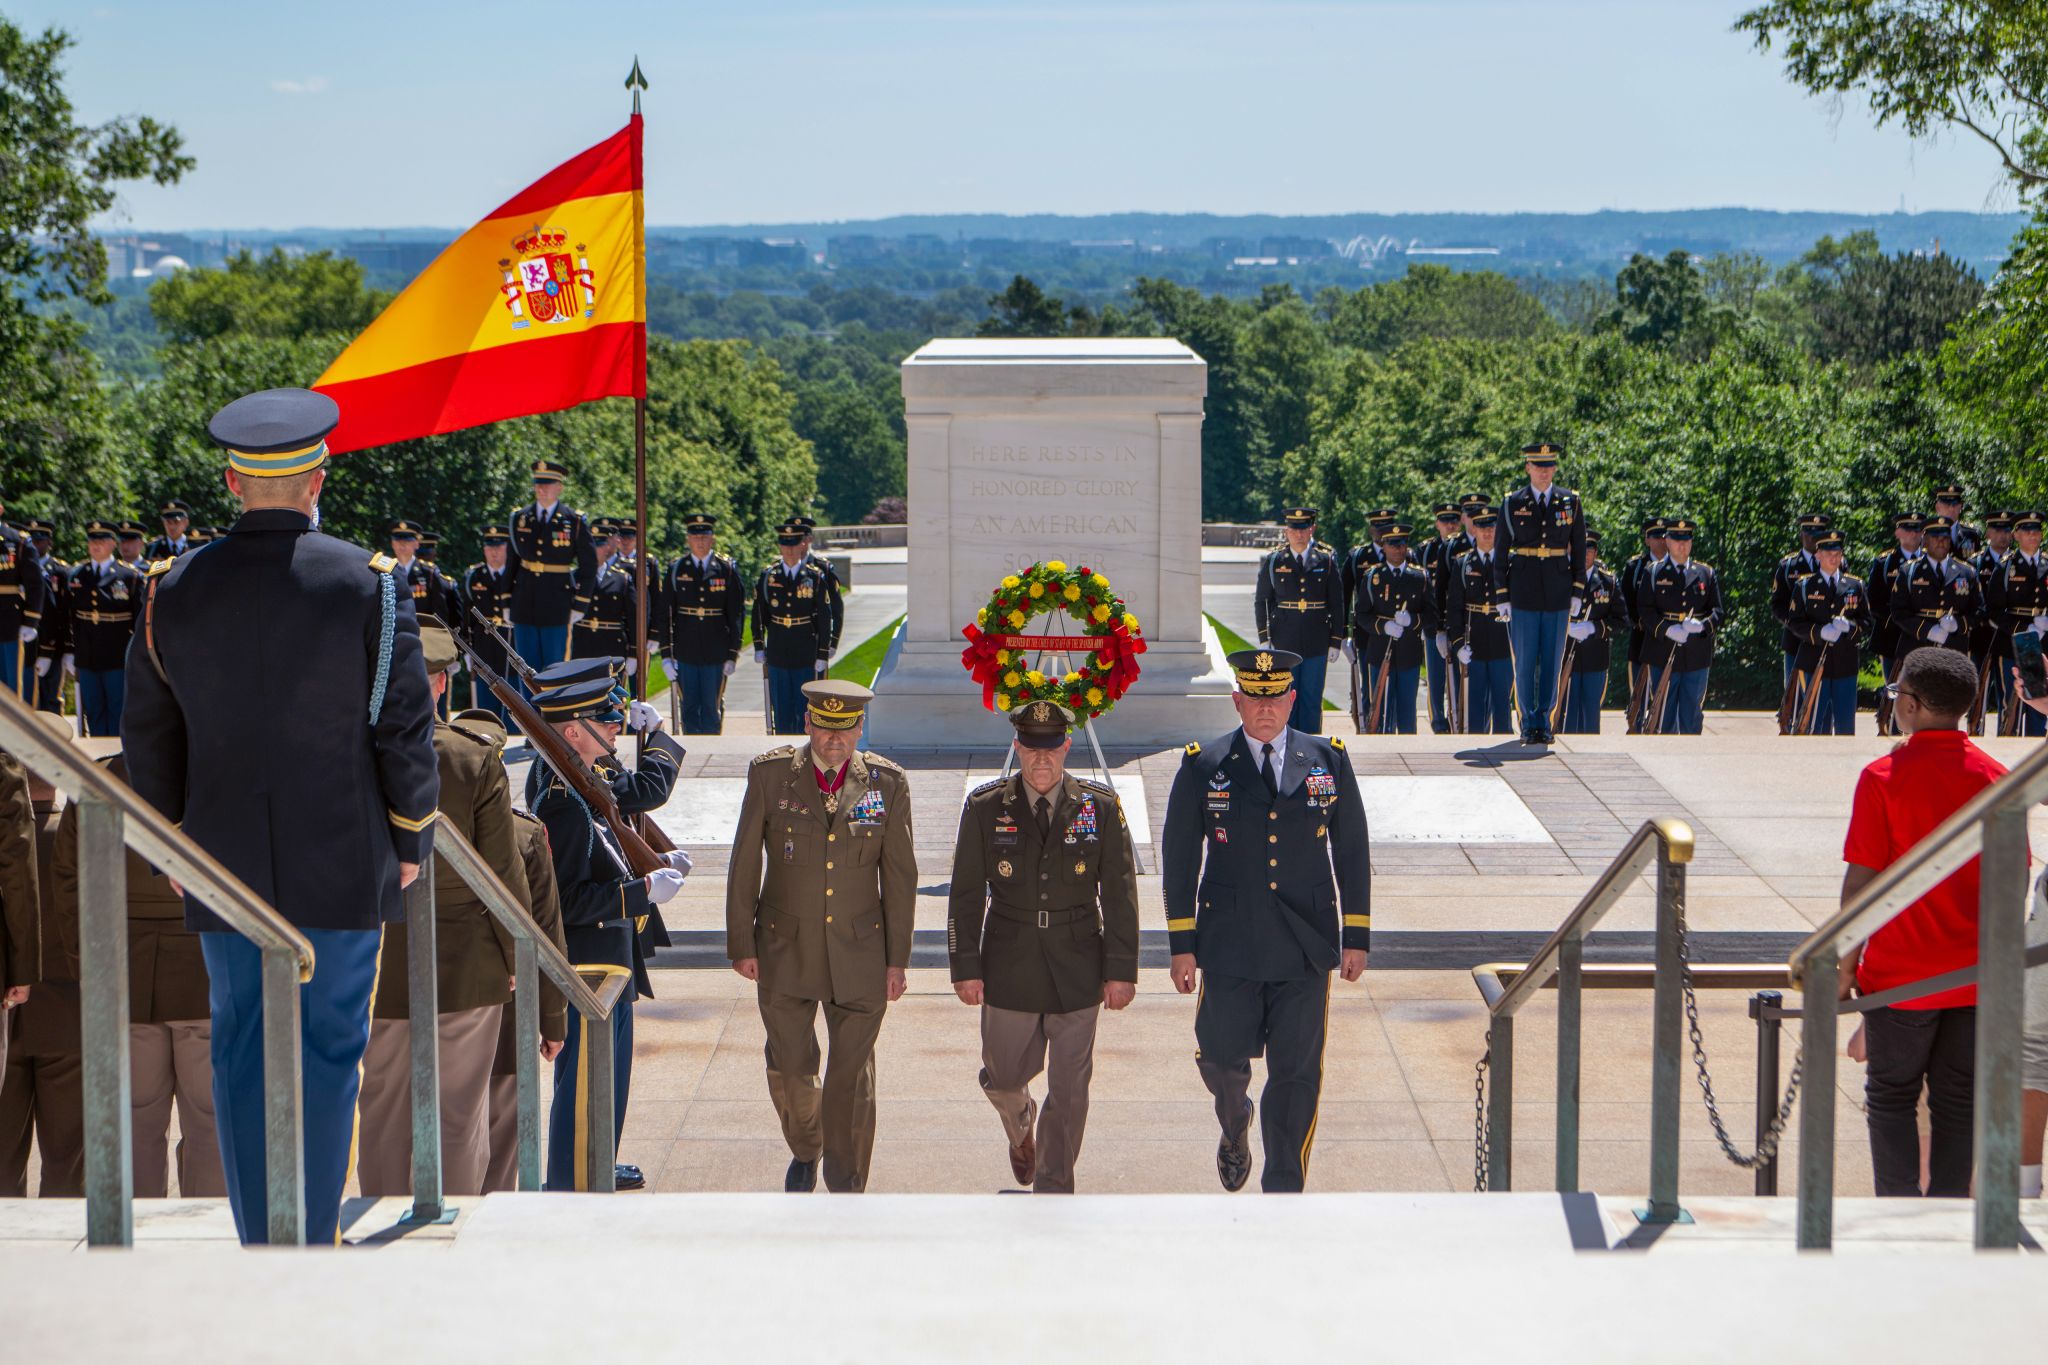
[859,248]
[1297,248]
[383,257]
[780,253]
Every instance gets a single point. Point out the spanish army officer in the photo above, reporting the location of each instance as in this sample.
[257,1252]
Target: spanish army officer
[1475,635]
[556,565]
[1681,605]
[827,923]
[1831,615]
[1042,932]
[1265,842]
[1544,535]
[1602,614]
[792,628]
[277,706]
[1299,605]
[604,903]
[704,606]
[1396,614]
[100,597]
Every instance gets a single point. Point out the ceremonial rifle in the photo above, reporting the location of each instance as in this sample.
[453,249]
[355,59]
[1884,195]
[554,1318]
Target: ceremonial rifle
[1984,668]
[1788,701]
[1564,667]
[1639,684]
[1377,716]
[1805,726]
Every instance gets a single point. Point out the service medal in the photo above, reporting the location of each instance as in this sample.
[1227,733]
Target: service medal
[1079,868]
[1003,868]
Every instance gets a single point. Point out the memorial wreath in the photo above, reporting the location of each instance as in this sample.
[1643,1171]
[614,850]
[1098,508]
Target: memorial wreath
[1109,643]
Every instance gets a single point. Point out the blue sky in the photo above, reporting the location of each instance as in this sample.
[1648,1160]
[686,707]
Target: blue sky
[429,112]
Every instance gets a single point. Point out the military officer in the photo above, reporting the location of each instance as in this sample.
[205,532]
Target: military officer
[1298,606]
[50,643]
[607,627]
[1935,598]
[827,923]
[2020,588]
[1396,615]
[1831,615]
[704,611]
[488,588]
[1474,634]
[176,515]
[1989,563]
[1964,541]
[474,956]
[1634,574]
[833,592]
[129,547]
[1884,571]
[1602,614]
[1681,604]
[1544,536]
[305,764]
[546,909]
[1363,556]
[421,578]
[1042,932]
[430,548]
[98,603]
[21,913]
[792,628]
[604,903]
[1436,556]
[555,565]
[1265,844]
[1785,583]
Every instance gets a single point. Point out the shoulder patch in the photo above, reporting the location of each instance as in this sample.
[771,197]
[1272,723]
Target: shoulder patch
[774,755]
[161,566]
[382,563]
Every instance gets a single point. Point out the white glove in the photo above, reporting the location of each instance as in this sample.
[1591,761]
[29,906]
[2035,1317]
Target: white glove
[1464,654]
[632,666]
[1504,612]
[1580,630]
[1403,619]
[2040,625]
[42,666]
[1694,625]
[1395,630]
[1573,609]
[642,718]
[760,656]
[729,667]
[668,667]
[510,624]
[1939,634]
[662,885]
[28,635]
[456,667]
[1443,645]
[1351,649]
[679,861]
[1675,632]
[1831,632]
[69,661]
[1950,624]
[574,617]
[1842,624]
[1334,652]
[823,664]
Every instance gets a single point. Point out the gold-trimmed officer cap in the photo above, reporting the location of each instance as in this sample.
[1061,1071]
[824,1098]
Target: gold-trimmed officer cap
[808,523]
[601,528]
[1300,518]
[99,530]
[625,526]
[835,704]
[1680,528]
[1397,534]
[2027,521]
[789,533]
[1831,540]
[1484,517]
[1542,454]
[1265,672]
[131,530]
[1908,521]
[547,471]
[437,645]
[1593,539]
[41,528]
[2000,521]
[699,524]
[429,540]
[1040,725]
[275,433]
[495,534]
[176,507]
[1815,522]
[1380,516]
[594,700]
[1937,526]
[406,529]
[1949,492]
[579,670]
[1446,511]
[1468,501]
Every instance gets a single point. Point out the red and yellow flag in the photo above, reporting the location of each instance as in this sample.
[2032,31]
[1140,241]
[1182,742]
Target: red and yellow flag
[541,306]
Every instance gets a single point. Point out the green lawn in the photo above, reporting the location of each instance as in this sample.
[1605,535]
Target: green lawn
[1233,642]
[864,660]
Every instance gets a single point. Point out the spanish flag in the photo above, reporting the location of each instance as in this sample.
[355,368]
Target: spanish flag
[539,307]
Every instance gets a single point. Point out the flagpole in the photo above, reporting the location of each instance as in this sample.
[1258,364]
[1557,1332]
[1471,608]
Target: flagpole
[636,83]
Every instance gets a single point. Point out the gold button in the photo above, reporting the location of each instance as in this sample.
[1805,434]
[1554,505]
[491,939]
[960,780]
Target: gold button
[1272,838]
[828,919]
[1272,862]
[828,864]
[828,890]
[1272,886]
[1272,815]
[831,838]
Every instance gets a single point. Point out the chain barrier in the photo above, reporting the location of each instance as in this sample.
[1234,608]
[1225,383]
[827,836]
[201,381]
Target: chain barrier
[1481,1154]
[1767,1149]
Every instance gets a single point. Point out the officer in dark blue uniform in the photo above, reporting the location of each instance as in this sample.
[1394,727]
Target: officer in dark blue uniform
[1964,541]
[1785,585]
[792,628]
[49,679]
[1935,599]
[1831,615]
[1543,531]
[1601,616]
[21,607]
[488,588]
[1265,845]
[1475,635]
[603,903]
[1299,604]
[1634,574]
[1364,555]
[128,548]
[279,708]
[704,615]
[1396,614]
[835,604]
[100,599]
[556,565]
[176,515]
[1681,607]
[1435,556]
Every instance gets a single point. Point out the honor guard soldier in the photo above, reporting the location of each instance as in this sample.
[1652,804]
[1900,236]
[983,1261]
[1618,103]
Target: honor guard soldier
[2020,589]
[417,576]
[1989,563]
[1602,614]
[100,598]
[1396,617]
[792,628]
[704,608]
[1831,616]
[1544,535]
[833,591]
[607,627]
[1363,556]
[1435,556]
[1935,599]
[555,563]
[1299,605]
[301,757]
[49,679]
[21,906]
[1964,541]
[604,904]
[1042,932]
[488,588]
[1785,585]
[1474,634]
[1265,845]
[1635,574]
[430,548]
[129,547]
[1884,572]
[176,515]
[819,907]
[1681,603]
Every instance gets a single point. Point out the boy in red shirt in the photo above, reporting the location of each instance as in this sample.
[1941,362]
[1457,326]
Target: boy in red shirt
[1929,1042]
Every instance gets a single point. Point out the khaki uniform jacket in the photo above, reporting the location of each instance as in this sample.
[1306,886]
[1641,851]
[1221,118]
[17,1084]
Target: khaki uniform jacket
[20,896]
[166,969]
[48,1024]
[1043,922]
[545,905]
[475,954]
[837,902]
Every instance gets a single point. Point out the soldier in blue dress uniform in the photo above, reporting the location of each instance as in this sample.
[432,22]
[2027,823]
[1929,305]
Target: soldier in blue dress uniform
[1474,632]
[1935,598]
[99,601]
[1964,541]
[49,679]
[279,708]
[176,516]
[703,619]
[1396,615]
[1267,873]
[792,628]
[1681,606]
[1435,557]
[556,565]
[1831,615]
[1544,533]
[487,586]
[2017,597]
[1601,615]
[835,604]
[1989,563]
[1298,605]
[607,627]
[129,545]
[1785,583]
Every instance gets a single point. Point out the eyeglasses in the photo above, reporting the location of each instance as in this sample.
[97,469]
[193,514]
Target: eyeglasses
[1893,691]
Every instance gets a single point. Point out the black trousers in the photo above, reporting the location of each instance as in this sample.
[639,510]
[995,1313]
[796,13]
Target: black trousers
[1909,1049]
[1287,1021]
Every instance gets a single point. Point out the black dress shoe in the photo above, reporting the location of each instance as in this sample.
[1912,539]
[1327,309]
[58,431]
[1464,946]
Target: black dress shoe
[1234,1156]
[801,1178]
[1439,727]
[626,1177]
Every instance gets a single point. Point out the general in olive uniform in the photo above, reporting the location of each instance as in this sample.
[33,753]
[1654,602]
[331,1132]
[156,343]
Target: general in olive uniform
[100,600]
[792,628]
[21,607]
[1041,933]
[1544,534]
[2018,599]
[819,907]
[704,617]
[1299,607]
[1831,616]
[1599,617]
[1681,606]
[556,563]
[1268,889]
[1396,616]
[1474,633]
[278,708]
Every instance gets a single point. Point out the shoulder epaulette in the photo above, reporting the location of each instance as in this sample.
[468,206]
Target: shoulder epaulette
[382,563]
[1704,565]
[875,760]
[474,567]
[161,566]
[779,752]
[1336,742]
[1193,749]
[476,736]
[988,786]
[1095,788]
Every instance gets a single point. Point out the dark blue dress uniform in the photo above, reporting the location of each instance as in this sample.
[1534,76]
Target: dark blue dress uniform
[167,545]
[703,620]
[792,631]
[1602,615]
[1435,556]
[1831,616]
[834,598]
[421,578]
[1989,562]
[48,685]
[1544,535]
[607,628]
[1964,539]
[1634,574]
[557,564]
[604,908]
[1785,583]
[1884,573]
[1266,886]
[1299,607]
[1687,596]
[1477,638]
[2016,597]
[1397,619]
[490,592]
[1934,601]
[100,602]
[1363,556]
[278,708]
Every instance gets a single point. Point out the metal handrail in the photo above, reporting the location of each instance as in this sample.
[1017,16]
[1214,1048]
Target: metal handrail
[110,816]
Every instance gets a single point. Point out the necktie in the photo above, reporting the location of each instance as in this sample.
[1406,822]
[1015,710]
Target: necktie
[1044,819]
[1266,771]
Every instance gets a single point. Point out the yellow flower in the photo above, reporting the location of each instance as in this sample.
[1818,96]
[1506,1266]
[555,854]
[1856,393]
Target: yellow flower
[1095,696]
[1055,565]
[1011,581]
[1130,621]
[1036,677]
[1011,679]
[1038,589]
[1016,619]
[1100,614]
[1002,701]
[981,617]
[1072,593]
[1002,656]
[1073,677]
[1099,581]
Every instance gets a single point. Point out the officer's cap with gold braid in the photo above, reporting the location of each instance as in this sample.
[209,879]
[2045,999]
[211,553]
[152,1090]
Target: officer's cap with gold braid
[594,700]
[496,534]
[405,529]
[133,530]
[547,471]
[2027,521]
[1300,518]
[1999,521]
[275,433]
[789,533]
[1830,540]
[1397,534]
[579,670]
[1041,725]
[1938,526]
[99,530]
[699,523]
[1265,672]
[833,704]
[1542,454]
